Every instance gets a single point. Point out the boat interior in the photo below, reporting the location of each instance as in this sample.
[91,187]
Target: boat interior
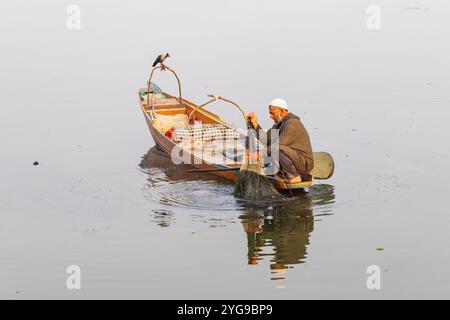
[194,128]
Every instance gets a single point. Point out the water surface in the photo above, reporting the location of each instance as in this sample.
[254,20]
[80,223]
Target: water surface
[104,199]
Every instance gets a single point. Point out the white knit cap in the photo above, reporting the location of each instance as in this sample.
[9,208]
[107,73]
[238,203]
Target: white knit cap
[280,103]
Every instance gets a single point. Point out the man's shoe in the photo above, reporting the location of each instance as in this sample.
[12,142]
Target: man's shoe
[294,180]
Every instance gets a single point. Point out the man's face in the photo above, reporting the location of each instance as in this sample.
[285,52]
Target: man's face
[275,114]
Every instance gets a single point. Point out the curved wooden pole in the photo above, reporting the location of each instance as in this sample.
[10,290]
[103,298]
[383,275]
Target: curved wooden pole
[162,68]
[215,98]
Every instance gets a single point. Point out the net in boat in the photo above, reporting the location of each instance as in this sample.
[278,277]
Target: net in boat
[205,133]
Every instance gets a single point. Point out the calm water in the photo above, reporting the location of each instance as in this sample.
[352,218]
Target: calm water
[104,199]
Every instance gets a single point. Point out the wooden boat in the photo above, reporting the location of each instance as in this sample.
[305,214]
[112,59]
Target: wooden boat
[156,105]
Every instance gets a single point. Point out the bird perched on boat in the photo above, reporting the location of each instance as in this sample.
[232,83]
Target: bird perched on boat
[160,59]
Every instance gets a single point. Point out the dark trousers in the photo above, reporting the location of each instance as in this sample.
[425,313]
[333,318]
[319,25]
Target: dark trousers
[287,167]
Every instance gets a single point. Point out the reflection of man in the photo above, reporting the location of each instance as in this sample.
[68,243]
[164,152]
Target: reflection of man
[287,232]
[296,158]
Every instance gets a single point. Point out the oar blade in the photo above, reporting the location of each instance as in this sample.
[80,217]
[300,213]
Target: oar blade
[323,166]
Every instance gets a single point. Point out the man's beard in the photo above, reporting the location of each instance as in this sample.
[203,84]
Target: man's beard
[277,121]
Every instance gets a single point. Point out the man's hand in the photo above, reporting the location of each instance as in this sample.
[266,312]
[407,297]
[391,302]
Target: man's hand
[253,119]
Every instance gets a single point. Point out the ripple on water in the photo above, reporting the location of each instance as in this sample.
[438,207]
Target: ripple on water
[171,185]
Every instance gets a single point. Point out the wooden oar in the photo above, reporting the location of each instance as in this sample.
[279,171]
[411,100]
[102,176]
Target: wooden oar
[323,169]
[323,166]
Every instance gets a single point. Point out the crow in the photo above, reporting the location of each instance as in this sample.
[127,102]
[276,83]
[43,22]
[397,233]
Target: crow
[160,59]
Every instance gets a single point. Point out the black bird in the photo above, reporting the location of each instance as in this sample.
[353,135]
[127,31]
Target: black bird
[160,59]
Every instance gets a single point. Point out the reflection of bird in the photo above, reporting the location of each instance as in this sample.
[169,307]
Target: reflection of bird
[161,59]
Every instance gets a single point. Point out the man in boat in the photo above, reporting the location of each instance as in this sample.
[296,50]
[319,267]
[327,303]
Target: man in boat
[296,159]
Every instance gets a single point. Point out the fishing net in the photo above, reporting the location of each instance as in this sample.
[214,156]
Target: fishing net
[251,185]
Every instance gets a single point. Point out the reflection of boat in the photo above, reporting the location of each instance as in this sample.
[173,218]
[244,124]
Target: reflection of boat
[164,113]
[156,159]
[279,231]
[169,184]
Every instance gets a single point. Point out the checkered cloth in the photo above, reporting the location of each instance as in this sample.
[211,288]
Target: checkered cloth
[204,133]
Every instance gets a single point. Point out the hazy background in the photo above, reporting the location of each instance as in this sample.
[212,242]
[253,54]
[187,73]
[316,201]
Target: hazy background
[375,99]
